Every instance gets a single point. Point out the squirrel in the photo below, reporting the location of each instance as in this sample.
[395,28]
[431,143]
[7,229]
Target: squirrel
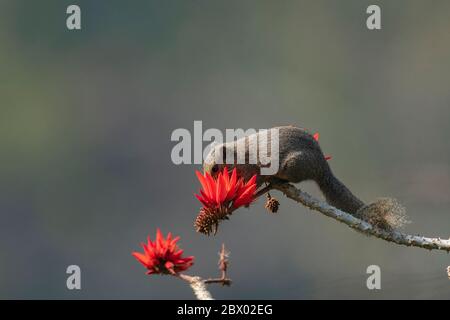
[300,159]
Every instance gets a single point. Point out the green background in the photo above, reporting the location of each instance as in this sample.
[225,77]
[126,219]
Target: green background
[86,118]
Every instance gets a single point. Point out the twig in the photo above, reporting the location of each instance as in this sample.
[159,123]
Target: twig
[223,266]
[263,190]
[224,282]
[392,236]
[198,284]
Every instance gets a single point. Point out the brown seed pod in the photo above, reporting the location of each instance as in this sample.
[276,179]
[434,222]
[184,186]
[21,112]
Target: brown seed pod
[272,204]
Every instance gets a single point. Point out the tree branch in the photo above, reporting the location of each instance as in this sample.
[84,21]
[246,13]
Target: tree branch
[198,285]
[360,225]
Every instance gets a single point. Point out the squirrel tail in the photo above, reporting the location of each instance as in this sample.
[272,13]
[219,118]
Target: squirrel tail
[384,213]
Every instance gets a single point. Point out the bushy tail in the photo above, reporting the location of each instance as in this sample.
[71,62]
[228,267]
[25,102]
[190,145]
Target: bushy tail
[384,213]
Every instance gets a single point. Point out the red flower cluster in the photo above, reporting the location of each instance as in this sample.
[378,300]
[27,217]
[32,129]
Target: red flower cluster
[163,255]
[221,196]
[226,190]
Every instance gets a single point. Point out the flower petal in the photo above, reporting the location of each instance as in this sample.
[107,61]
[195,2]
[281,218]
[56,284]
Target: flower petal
[203,182]
[316,136]
[142,258]
[163,255]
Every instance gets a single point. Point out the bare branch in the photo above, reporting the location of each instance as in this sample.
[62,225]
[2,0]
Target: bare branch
[198,284]
[222,281]
[360,225]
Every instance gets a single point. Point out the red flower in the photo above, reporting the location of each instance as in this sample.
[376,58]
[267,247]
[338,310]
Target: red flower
[229,192]
[163,255]
[316,136]
[220,197]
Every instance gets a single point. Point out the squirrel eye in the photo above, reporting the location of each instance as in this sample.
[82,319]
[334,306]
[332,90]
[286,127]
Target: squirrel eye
[215,168]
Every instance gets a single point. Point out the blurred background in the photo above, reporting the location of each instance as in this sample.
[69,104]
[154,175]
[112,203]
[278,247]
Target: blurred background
[86,118]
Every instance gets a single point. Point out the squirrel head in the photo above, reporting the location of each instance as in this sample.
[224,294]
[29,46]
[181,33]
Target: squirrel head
[213,164]
[216,161]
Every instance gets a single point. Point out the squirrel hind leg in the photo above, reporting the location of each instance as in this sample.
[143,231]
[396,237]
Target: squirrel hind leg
[384,213]
[293,168]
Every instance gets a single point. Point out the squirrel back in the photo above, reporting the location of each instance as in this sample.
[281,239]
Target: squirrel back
[301,159]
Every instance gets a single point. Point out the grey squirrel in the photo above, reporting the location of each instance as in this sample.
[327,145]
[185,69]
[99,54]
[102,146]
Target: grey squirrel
[301,159]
